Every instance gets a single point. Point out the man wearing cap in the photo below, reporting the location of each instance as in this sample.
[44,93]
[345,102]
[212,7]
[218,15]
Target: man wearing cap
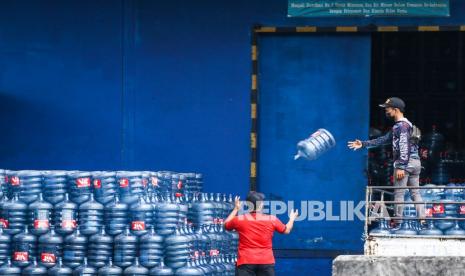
[255,252]
[407,165]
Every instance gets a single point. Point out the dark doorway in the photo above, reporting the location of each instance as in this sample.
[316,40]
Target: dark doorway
[427,71]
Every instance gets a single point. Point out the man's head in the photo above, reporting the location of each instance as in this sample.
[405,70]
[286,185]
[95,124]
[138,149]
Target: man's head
[255,200]
[394,107]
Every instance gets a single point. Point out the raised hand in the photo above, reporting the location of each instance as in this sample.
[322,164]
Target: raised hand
[355,145]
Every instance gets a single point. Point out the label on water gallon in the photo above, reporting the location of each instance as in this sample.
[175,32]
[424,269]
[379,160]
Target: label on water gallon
[214,252]
[462,209]
[48,258]
[154,181]
[179,185]
[68,221]
[138,225]
[316,133]
[41,223]
[3,223]
[83,182]
[429,212]
[70,224]
[15,181]
[41,219]
[124,182]
[97,183]
[145,181]
[21,256]
[6,178]
[438,208]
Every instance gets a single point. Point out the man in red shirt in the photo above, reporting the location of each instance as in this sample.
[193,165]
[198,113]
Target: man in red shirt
[255,253]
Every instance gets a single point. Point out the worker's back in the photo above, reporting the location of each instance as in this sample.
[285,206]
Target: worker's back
[255,237]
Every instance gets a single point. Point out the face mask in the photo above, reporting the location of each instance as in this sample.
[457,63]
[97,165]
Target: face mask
[391,118]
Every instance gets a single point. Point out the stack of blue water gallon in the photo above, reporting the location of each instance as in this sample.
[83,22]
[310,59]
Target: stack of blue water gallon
[113,223]
[446,207]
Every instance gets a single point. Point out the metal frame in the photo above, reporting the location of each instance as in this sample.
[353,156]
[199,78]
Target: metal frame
[263,30]
[385,189]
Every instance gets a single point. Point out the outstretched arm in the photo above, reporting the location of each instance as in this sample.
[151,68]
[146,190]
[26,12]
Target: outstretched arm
[237,207]
[383,140]
[290,224]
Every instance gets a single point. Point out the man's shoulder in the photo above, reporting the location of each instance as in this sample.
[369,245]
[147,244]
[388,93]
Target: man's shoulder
[256,217]
[401,125]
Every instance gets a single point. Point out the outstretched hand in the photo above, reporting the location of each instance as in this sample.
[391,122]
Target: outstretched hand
[355,145]
[237,203]
[294,214]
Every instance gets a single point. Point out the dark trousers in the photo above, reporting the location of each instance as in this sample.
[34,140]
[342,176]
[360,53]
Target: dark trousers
[255,270]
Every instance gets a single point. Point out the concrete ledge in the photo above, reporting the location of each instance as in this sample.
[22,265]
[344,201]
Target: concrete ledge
[361,265]
[432,246]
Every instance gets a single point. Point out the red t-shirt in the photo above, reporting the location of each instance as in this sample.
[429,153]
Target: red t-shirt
[255,237]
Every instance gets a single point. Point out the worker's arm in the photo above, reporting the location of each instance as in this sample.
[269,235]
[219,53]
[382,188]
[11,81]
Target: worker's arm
[380,141]
[383,140]
[292,216]
[233,214]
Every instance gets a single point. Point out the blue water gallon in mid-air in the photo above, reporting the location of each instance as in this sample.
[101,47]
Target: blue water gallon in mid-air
[315,145]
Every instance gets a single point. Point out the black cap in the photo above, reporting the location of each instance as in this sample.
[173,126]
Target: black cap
[254,197]
[394,103]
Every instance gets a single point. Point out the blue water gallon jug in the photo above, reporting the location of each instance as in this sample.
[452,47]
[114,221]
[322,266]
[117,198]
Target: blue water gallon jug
[166,215]
[13,215]
[105,186]
[85,269]
[100,249]
[162,270]
[3,183]
[50,248]
[116,216]
[130,186]
[456,230]
[9,269]
[24,247]
[141,214]
[177,249]
[91,216]
[151,248]
[39,216]
[314,146]
[125,248]
[164,181]
[60,269]
[27,183]
[136,269]
[34,269]
[5,246]
[190,270]
[202,210]
[110,269]
[54,186]
[65,216]
[75,249]
[79,186]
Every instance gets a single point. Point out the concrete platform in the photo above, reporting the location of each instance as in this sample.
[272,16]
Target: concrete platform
[360,265]
[403,245]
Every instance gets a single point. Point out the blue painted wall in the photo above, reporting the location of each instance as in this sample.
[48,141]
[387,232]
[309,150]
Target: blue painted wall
[119,84]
